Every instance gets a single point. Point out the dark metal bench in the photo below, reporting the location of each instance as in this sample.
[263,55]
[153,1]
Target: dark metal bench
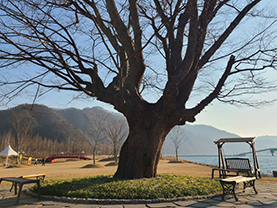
[237,165]
[40,177]
[16,181]
[229,184]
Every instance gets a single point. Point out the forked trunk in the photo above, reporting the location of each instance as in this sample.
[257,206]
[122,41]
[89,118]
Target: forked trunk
[141,151]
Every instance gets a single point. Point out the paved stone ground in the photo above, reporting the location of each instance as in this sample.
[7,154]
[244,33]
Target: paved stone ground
[267,197]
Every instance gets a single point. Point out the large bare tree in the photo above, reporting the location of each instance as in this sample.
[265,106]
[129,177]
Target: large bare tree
[190,52]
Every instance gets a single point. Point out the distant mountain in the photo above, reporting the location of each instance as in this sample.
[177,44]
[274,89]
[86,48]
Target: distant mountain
[83,119]
[76,117]
[71,123]
[199,140]
[54,124]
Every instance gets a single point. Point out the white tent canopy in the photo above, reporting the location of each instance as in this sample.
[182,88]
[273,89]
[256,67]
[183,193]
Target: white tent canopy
[8,152]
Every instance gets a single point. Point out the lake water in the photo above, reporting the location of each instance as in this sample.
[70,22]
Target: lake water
[267,163]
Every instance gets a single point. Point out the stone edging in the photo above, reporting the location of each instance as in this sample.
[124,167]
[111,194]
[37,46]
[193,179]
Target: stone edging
[116,201]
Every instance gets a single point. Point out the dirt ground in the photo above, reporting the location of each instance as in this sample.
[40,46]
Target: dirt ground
[80,168]
[75,169]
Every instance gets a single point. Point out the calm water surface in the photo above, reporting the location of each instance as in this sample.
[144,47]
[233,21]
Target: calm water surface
[267,163]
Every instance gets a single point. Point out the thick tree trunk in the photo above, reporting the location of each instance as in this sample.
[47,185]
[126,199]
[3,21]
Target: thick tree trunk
[141,151]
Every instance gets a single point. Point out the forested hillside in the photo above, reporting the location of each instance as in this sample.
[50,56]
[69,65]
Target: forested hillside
[44,121]
[39,130]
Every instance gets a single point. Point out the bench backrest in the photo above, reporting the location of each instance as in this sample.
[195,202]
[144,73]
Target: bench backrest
[37,176]
[238,163]
[33,176]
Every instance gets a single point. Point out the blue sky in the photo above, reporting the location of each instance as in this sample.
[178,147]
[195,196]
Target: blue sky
[244,121]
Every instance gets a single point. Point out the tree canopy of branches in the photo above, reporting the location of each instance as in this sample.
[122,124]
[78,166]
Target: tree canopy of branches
[190,51]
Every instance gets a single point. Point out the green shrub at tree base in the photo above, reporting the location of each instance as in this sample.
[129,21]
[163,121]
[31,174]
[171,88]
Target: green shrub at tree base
[106,187]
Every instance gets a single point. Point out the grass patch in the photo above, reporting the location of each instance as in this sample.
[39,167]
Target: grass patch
[106,187]
[93,166]
[111,164]
[176,161]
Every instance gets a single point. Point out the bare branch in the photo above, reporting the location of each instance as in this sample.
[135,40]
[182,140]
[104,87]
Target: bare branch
[226,33]
[197,109]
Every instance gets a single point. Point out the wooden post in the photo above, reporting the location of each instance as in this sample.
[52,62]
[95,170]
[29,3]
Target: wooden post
[255,161]
[221,163]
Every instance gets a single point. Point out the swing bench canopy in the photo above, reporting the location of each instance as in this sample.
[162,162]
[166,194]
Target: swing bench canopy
[240,139]
[222,166]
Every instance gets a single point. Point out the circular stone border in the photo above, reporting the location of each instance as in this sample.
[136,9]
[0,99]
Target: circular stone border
[117,201]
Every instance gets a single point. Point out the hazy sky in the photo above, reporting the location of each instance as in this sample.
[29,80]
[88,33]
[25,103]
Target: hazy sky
[244,121]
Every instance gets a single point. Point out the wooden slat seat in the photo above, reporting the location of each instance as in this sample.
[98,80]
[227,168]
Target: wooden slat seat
[229,184]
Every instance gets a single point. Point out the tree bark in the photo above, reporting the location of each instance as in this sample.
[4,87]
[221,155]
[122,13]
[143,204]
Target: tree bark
[176,154]
[141,151]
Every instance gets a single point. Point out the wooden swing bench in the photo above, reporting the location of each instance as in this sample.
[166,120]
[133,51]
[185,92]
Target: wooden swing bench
[237,165]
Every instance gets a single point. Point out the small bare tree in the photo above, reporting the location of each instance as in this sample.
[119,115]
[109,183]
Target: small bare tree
[22,125]
[178,138]
[5,140]
[96,131]
[116,132]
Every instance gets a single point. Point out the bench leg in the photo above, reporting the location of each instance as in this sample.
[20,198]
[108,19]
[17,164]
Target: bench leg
[38,184]
[19,192]
[15,188]
[254,187]
[250,184]
[228,188]
[12,187]
[234,186]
